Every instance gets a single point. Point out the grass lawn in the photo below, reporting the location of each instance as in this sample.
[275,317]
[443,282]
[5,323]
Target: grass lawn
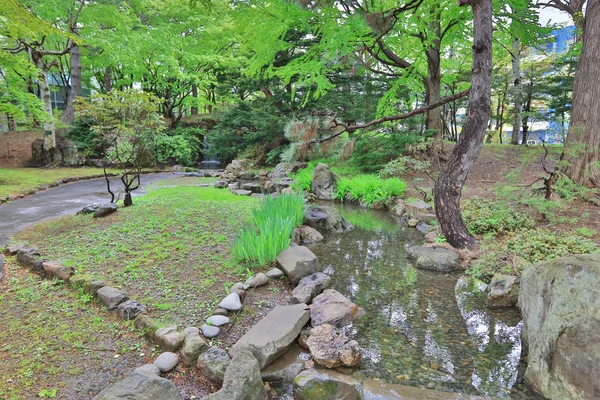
[18,180]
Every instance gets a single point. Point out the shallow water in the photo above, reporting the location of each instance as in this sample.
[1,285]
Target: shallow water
[422,328]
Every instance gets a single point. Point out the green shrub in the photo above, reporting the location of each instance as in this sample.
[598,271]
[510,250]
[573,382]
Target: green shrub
[179,146]
[369,190]
[485,216]
[274,221]
[373,151]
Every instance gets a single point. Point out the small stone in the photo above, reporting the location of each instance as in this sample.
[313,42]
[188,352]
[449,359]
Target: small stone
[220,311]
[275,273]
[232,302]
[166,361]
[257,280]
[130,309]
[210,332]
[217,320]
[413,222]
[309,287]
[111,297]
[146,324]
[169,338]
[193,346]
[242,192]
[213,364]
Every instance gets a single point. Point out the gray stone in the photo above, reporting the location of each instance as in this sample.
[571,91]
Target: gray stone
[332,348]
[275,273]
[213,364]
[191,331]
[166,361]
[332,307]
[429,218]
[169,338]
[89,209]
[425,228]
[326,385]
[130,309]
[148,369]
[221,183]
[417,209]
[233,186]
[242,380]
[193,346]
[400,208]
[326,219]
[297,262]
[309,235]
[287,367]
[503,291]
[274,334]
[377,390]
[560,303]
[232,302]
[309,287]
[141,384]
[147,325]
[242,192]
[254,187]
[210,332]
[413,222]
[257,280]
[436,259]
[324,182]
[217,320]
[13,249]
[27,257]
[220,311]
[105,209]
[111,297]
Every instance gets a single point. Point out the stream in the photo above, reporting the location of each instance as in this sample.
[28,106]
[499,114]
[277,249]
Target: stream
[422,328]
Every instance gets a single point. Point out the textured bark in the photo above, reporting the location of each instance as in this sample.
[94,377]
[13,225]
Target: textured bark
[449,185]
[107,79]
[517,88]
[583,139]
[194,110]
[433,81]
[75,91]
[45,96]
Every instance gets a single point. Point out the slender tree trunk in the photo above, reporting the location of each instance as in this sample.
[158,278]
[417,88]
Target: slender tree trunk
[526,118]
[194,109]
[583,139]
[449,185]
[518,88]
[433,84]
[75,83]
[12,123]
[45,96]
[107,79]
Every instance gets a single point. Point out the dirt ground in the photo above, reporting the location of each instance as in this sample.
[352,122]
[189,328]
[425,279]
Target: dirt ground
[15,147]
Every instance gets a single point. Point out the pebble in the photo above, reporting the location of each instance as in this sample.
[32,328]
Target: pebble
[217,320]
[275,273]
[232,302]
[210,332]
[166,361]
[220,311]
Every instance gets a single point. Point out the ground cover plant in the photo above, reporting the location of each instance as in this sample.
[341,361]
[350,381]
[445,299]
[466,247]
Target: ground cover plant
[369,190]
[274,221]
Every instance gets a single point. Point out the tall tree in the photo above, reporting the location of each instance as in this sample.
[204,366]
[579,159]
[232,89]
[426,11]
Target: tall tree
[572,7]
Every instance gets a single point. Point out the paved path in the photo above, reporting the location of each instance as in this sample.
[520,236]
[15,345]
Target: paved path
[66,199]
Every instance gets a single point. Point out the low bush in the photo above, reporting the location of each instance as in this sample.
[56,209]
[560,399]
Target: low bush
[274,221]
[179,146]
[485,216]
[369,190]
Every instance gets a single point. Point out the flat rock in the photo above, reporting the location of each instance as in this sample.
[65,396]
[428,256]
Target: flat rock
[130,309]
[13,249]
[210,332]
[89,209]
[257,280]
[141,384]
[437,259]
[221,183]
[166,361]
[319,384]
[232,302]
[297,262]
[242,380]
[220,311]
[193,346]
[309,287]
[105,209]
[111,297]
[217,320]
[287,367]
[241,192]
[417,209]
[332,307]
[275,273]
[169,338]
[274,334]
[332,348]
[213,364]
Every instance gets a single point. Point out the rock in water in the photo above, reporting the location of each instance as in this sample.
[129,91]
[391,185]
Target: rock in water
[309,287]
[377,390]
[297,262]
[332,348]
[286,367]
[309,235]
[436,259]
[318,384]
[332,307]
[242,380]
[503,291]
[560,303]
[142,384]
[324,182]
[326,219]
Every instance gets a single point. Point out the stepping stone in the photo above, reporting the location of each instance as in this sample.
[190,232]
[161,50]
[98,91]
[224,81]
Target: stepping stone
[111,297]
[309,287]
[297,262]
[232,302]
[275,273]
[166,361]
[217,320]
[257,280]
[210,332]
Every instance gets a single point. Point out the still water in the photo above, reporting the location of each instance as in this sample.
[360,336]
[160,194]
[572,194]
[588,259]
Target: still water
[422,328]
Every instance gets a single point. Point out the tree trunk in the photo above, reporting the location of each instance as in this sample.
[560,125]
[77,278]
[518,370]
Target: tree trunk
[449,185]
[583,139]
[45,96]
[518,88]
[107,79]
[75,91]
[194,109]
[526,118]
[433,81]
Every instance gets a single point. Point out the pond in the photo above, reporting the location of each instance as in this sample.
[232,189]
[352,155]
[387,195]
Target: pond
[422,328]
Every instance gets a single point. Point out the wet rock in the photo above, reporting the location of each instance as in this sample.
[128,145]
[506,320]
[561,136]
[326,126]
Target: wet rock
[232,302]
[309,287]
[425,228]
[169,338]
[417,209]
[436,259]
[274,334]
[257,280]
[287,367]
[324,182]
[130,309]
[242,192]
[326,219]
[221,184]
[332,307]
[210,332]
[193,346]
[303,337]
[275,273]
[90,209]
[332,348]
[503,291]
[111,297]
[217,320]
[141,384]
[242,380]
[166,361]
[377,390]
[213,364]
[326,385]
[105,209]
[220,311]
[297,262]
[309,235]
[56,270]
[560,303]
[400,208]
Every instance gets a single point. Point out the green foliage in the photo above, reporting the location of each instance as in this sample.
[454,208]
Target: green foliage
[274,222]
[303,179]
[373,152]
[88,141]
[484,216]
[402,165]
[369,190]
[179,146]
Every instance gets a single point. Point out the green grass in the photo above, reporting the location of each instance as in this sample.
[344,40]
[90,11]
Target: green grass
[369,190]
[15,181]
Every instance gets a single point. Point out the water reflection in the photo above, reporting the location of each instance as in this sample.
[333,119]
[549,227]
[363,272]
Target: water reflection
[422,328]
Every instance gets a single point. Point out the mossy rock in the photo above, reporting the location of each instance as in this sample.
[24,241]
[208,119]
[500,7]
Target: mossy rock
[325,385]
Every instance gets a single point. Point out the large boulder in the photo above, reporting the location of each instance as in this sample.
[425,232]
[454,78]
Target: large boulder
[242,380]
[274,334]
[434,258]
[560,303]
[324,182]
[143,383]
[282,170]
[326,385]
[332,348]
[332,307]
[326,219]
[297,262]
